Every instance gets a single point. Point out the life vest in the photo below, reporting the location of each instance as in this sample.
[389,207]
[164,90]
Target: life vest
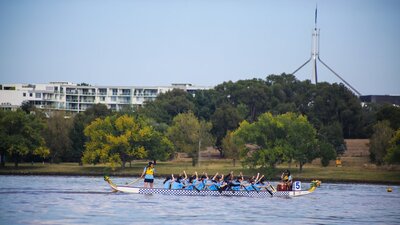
[149,171]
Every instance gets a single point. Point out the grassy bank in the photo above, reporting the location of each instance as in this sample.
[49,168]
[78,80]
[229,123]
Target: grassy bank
[326,174]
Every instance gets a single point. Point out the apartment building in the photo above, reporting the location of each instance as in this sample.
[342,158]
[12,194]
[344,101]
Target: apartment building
[78,97]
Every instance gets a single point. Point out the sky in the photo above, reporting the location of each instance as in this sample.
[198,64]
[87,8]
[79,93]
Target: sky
[202,42]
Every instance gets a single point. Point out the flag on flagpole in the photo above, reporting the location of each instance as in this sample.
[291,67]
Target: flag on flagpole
[316,16]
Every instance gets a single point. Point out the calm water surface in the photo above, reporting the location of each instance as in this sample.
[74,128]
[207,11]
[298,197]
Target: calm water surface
[89,200]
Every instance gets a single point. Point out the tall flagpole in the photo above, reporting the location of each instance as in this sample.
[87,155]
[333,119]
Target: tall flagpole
[315,49]
[315,57]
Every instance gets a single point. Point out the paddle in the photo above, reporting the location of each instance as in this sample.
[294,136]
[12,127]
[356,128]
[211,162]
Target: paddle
[272,187]
[133,181]
[255,188]
[269,191]
[245,188]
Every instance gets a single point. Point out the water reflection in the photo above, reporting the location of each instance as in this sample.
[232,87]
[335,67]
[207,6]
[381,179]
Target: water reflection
[88,200]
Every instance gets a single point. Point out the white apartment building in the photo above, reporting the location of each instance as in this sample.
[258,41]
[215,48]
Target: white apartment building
[76,98]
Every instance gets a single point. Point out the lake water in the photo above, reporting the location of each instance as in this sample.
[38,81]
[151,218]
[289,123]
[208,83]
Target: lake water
[89,200]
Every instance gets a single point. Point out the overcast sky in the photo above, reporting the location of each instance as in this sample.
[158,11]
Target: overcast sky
[204,42]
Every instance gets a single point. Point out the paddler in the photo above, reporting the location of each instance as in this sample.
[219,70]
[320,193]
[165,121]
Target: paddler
[178,182]
[148,174]
[167,182]
[286,181]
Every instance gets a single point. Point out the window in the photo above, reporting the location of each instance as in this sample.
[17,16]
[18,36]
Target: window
[102,91]
[30,94]
[24,94]
[38,95]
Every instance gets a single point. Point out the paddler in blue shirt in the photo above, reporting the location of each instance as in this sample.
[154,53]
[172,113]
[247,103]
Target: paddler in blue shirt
[250,186]
[201,184]
[237,183]
[177,184]
[216,183]
[190,183]
[167,182]
[148,173]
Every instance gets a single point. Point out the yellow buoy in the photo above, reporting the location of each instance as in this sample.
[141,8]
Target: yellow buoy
[389,189]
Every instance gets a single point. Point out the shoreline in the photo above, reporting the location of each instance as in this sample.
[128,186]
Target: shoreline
[355,174]
[324,180]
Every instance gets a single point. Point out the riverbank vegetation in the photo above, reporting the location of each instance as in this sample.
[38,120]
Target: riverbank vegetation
[356,174]
[261,123]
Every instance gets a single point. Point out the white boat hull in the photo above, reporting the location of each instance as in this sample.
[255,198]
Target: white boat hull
[183,192]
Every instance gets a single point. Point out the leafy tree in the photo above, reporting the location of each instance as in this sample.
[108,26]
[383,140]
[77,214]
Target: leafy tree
[393,153]
[252,93]
[226,117]
[20,134]
[368,120]
[116,140]
[334,102]
[231,149]
[160,147]
[390,113]
[205,103]
[3,138]
[189,135]
[285,137]
[261,142]
[80,121]
[287,93]
[379,142]
[27,107]
[168,105]
[327,152]
[43,152]
[301,138]
[57,136]
[333,134]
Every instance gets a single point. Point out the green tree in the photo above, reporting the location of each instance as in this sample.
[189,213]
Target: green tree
[3,145]
[115,140]
[287,93]
[231,149]
[334,102]
[327,152]
[380,141]
[333,134]
[279,138]
[226,117]
[301,138]
[20,134]
[57,136]
[390,113]
[80,121]
[190,135]
[27,107]
[393,153]
[205,103]
[168,105]
[252,93]
[42,151]
[368,120]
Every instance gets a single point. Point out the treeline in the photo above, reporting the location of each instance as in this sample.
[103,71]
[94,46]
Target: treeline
[259,122]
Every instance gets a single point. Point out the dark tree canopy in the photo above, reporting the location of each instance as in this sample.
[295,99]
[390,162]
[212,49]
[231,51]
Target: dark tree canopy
[168,105]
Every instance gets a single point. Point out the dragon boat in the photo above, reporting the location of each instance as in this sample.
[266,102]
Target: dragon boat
[256,194]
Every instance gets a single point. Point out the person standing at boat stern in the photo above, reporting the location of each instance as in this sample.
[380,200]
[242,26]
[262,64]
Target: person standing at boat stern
[148,174]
